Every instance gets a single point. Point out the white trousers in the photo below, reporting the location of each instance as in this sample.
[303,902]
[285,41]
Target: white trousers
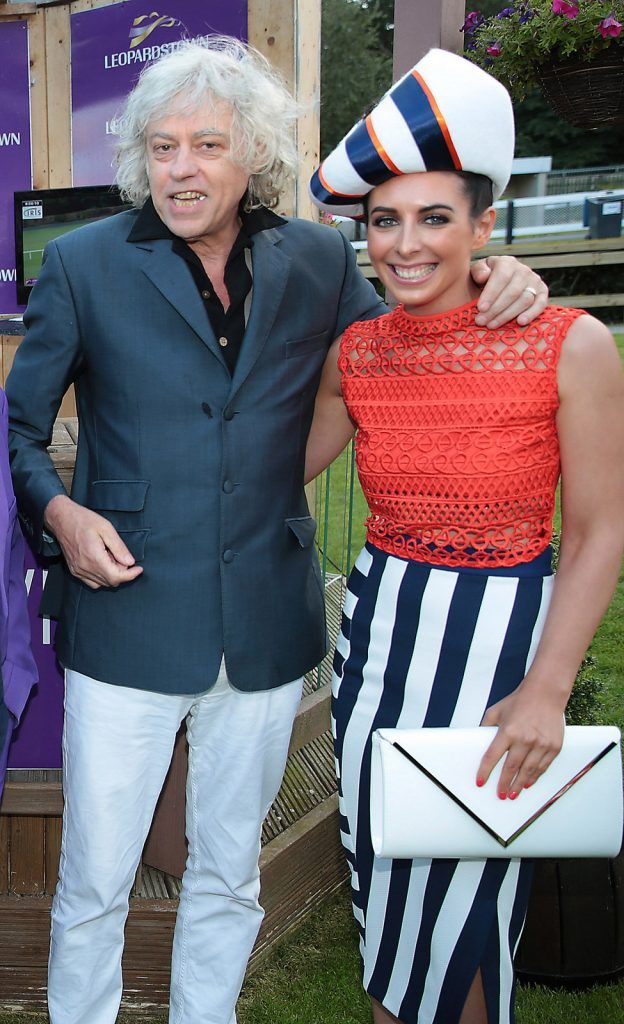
[117,746]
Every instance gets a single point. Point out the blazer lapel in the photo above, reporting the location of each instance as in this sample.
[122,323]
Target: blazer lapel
[271,268]
[175,283]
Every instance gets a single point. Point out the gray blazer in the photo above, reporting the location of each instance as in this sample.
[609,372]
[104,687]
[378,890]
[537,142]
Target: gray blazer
[201,473]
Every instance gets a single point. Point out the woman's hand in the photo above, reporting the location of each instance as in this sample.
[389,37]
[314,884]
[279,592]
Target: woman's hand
[511,291]
[530,733]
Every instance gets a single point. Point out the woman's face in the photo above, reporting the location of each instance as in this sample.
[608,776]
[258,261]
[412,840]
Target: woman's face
[421,238]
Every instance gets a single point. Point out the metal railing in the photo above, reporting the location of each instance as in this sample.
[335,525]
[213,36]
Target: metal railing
[585,179]
[562,214]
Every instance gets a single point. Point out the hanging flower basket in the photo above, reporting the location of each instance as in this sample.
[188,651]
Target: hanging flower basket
[572,49]
[587,94]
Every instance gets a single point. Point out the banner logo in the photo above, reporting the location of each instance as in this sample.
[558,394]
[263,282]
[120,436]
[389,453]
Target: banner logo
[144,25]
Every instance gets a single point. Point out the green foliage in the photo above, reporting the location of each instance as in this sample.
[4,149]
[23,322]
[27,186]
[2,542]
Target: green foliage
[514,43]
[356,63]
[584,704]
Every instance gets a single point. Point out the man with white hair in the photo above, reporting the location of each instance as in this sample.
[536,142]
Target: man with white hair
[194,328]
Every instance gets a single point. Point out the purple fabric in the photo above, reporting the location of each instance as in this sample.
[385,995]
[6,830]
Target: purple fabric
[19,672]
[14,147]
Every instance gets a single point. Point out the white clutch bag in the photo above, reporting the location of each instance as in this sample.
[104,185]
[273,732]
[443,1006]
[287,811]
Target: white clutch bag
[425,802]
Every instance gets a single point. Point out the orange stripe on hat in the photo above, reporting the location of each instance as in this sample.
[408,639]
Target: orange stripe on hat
[440,119]
[379,147]
[327,186]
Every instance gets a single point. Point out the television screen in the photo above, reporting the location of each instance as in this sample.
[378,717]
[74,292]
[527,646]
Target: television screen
[44,214]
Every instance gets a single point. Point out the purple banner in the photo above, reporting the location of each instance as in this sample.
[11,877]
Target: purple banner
[109,48]
[37,740]
[15,165]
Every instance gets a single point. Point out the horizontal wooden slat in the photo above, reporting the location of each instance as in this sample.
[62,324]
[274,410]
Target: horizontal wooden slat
[312,718]
[525,246]
[28,798]
[13,10]
[588,301]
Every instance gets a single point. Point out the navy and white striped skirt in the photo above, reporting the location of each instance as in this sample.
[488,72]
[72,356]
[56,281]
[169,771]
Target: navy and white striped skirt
[424,646]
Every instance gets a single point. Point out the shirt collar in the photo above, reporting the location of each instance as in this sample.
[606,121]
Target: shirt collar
[149,226]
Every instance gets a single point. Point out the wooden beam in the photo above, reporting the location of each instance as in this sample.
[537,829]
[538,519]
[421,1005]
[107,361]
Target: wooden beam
[588,301]
[308,95]
[32,798]
[288,34]
[420,25]
[312,718]
[17,10]
[57,43]
[38,101]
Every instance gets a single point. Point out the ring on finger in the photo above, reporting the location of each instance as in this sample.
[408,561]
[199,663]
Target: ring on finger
[531,290]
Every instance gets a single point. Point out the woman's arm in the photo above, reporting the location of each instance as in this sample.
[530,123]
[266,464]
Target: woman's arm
[332,428]
[590,424]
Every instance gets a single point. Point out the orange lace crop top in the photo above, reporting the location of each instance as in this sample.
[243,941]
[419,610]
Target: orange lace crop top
[456,446]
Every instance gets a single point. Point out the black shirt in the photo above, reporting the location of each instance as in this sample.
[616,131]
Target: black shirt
[228,325]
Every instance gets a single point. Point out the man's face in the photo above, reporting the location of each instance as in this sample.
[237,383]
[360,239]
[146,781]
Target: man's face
[195,185]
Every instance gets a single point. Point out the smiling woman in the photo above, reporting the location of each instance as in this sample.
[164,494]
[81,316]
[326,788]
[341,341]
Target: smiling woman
[421,233]
[452,616]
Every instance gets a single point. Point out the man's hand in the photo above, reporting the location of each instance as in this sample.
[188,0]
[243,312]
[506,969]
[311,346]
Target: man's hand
[93,550]
[511,291]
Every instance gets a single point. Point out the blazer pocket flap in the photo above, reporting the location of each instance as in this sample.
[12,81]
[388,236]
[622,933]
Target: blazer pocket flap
[119,495]
[304,529]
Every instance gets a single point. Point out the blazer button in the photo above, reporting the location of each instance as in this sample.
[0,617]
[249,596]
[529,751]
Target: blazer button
[228,486]
[206,408]
[228,556]
[228,414]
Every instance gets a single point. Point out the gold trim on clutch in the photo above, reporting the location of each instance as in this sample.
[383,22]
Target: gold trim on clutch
[505,843]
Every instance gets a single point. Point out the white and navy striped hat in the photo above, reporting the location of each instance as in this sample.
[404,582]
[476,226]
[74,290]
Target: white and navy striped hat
[446,114]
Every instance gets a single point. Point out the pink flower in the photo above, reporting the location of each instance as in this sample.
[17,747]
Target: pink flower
[473,20]
[568,10]
[494,50]
[610,27]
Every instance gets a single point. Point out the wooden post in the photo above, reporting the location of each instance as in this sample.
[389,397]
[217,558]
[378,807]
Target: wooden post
[421,24]
[288,33]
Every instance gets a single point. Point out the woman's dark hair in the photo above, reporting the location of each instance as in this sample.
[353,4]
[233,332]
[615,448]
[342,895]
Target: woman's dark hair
[478,191]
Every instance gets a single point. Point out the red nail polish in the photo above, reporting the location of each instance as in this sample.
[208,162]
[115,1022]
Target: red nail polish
[480,782]
[512,796]
[502,796]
